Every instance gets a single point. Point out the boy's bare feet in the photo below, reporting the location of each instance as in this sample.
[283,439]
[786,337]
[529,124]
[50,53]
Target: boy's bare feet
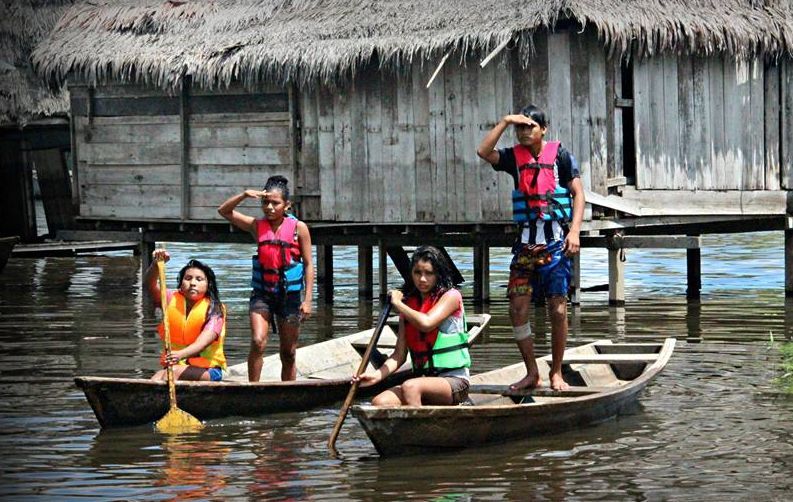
[527,382]
[557,382]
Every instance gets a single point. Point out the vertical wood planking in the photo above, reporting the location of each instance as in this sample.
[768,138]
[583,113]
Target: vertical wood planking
[579,101]
[559,88]
[771,124]
[375,207]
[342,155]
[642,121]
[786,80]
[536,75]
[453,76]
[504,106]
[309,156]
[489,115]
[736,123]
[686,121]
[614,133]
[715,173]
[358,173]
[421,123]
[657,174]
[599,124]
[405,181]
[756,154]
[701,163]
[438,142]
[326,142]
[471,198]
[672,163]
[391,174]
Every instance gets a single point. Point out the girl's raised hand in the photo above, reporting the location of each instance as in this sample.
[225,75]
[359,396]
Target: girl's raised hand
[255,194]
[160,254]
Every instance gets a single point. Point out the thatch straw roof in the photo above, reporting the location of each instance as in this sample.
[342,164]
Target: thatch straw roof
[23,24]
[217,42]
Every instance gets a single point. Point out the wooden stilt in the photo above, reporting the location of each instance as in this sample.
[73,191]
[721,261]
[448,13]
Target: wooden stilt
[789,263]
[694,269]
[617,322]
[365,279]
[382,269]
[145,249]
[325,272]
[575,286]
[693,321]
[481,273]
[616,277]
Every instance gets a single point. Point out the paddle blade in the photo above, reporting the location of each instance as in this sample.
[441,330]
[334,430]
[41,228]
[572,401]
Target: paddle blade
[178,421]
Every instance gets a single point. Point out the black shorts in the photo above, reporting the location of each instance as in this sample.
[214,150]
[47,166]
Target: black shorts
[286,308]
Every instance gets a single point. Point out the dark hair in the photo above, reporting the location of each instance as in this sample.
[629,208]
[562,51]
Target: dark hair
[279,183]
[440,265]
[215,305]
[536,114]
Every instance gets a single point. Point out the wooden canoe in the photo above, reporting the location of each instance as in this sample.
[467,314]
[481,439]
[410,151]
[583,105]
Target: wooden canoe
[6,247]
[606,379]
[323,377]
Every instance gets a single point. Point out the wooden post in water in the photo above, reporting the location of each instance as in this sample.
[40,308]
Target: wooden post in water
[481,273]
[789,263]
[694,269]
[575,286]
[616,275]
[382,269]
[365,278]
[145,249]
[325,272]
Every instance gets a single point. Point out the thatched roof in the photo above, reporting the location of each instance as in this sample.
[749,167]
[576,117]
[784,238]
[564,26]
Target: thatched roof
[217,42]
[23,96]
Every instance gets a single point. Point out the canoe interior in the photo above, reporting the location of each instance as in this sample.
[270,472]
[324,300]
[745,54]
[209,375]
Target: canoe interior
[324,371]
[606,379]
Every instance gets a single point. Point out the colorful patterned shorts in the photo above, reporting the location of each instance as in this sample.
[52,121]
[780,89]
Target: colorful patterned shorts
[539,270]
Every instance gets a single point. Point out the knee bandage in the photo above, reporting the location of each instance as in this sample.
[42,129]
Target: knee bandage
[521,332]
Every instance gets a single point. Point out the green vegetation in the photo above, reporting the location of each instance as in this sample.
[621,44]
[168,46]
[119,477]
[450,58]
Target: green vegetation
[786,379]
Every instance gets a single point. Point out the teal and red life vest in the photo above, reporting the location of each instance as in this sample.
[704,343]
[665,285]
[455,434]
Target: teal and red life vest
[539,195]
[435,351]
[278,264]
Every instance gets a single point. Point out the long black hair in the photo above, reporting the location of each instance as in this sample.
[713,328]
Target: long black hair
[441,266]
[216,307]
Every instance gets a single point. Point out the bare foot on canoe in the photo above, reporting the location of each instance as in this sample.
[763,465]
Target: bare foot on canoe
[527,382]
[557,382]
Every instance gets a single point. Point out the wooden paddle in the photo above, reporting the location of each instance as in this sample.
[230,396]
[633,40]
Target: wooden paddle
[175,420]
[381,321]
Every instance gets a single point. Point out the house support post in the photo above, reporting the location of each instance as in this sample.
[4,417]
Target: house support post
[481,273]
[616,271]
[325,272]
[694,269]
[365,278]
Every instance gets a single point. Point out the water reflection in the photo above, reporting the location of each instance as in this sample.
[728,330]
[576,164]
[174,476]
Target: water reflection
[711,426]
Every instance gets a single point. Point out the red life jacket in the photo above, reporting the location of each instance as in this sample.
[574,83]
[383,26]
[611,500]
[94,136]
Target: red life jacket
[538,187]
[419,343]
[278,254]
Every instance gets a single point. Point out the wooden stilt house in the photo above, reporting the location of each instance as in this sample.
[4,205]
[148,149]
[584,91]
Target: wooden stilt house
[679,112]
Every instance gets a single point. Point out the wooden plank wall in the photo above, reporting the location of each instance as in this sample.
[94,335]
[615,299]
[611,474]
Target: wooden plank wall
[701,123]
[786,129]
[387,149]
[129,143]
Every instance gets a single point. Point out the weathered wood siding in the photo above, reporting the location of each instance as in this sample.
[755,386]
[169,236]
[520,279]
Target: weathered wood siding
[387,149]
[786,123]
[134,144]
[706,123]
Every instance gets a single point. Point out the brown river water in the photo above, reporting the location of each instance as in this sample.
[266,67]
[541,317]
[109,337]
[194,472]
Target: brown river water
[712,426]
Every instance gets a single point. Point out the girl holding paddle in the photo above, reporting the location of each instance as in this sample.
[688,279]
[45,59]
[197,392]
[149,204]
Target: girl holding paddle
[196,320]
[432,329]
[282,268]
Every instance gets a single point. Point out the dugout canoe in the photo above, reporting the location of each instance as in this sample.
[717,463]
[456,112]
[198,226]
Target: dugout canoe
[606,379]
[323,378]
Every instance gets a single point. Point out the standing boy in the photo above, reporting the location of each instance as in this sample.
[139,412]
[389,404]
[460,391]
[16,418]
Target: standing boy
[548,205]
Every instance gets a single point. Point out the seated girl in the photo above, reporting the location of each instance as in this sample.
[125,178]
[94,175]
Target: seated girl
[196,321]
[432,329]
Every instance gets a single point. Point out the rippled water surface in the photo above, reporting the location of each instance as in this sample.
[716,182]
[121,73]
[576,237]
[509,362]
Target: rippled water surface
[712,425]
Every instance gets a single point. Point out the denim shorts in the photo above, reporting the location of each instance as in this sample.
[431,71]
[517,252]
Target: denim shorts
[286,308]
[543,274]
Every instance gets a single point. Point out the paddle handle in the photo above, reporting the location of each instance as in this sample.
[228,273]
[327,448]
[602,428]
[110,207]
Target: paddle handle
[167,329]
[381,322]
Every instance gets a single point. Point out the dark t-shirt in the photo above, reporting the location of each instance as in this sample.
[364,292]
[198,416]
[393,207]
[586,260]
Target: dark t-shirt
[565,162]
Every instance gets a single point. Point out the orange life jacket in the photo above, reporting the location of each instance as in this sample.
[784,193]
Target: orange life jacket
[185,328]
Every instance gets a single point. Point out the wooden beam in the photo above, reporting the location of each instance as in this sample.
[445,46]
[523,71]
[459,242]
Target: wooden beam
[184,154]
[438,69]
[495,52]
[482,273]
[365,278]
[694,273]
[616,277]
[613,202]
